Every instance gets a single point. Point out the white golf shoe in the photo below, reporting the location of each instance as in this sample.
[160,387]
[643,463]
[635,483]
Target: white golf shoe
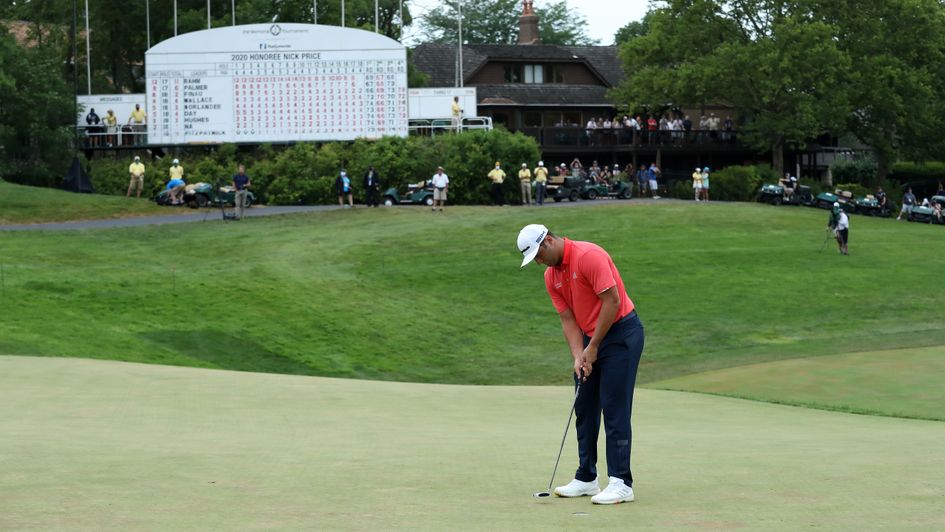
[576,488]
[616,492]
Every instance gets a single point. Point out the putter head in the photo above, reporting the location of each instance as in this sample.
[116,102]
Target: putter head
[542,494]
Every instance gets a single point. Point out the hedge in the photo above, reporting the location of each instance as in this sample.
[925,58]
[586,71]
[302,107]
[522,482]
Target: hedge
[304,173]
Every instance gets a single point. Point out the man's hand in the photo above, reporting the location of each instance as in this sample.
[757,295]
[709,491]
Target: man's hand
[590,356]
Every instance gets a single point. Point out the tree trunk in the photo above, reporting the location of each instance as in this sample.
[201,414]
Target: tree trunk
[777,155]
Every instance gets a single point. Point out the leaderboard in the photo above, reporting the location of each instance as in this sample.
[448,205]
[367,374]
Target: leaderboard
[291,89]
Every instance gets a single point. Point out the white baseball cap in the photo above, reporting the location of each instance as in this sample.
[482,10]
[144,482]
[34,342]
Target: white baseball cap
[176,161]
[541,163]
[836,204]
[529,239]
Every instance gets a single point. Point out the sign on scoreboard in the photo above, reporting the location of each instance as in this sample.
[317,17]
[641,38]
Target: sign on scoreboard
[275,83]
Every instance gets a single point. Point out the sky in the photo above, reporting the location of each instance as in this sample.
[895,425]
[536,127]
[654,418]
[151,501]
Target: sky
[604,17]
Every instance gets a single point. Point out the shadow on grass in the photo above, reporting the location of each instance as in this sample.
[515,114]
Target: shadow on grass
[227,351]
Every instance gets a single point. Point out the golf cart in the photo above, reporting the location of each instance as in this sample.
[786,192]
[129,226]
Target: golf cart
[927,214]
[870,206]
[825,200]
[569,188]
[417,194]
[164,198]
[774,194]
[591,190]
[204,194]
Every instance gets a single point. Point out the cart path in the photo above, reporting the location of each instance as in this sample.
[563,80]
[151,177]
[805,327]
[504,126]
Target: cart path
[213,214]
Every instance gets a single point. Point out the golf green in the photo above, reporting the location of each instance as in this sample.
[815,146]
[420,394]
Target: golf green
[102,445]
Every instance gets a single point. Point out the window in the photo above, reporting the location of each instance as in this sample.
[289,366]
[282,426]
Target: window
[534,74]
[524,73]
[513,73]
[532,119]
[555,74]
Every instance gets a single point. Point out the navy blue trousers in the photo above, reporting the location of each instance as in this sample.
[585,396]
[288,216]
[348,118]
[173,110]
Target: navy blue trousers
[609,390]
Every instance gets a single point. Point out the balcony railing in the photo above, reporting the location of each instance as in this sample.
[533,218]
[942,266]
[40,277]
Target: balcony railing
[549,137]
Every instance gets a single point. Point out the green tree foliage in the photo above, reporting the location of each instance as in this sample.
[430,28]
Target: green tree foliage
[897,54]
[776,62]
[496,22]
[36,109]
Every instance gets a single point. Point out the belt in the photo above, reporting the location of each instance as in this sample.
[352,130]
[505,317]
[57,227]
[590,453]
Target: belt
[633,314]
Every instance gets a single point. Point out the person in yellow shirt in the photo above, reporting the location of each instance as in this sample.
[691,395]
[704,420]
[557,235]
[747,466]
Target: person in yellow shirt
[176,182]
[137,119]
[541,181]
[498,177]
[111,127]
[525,181]
[697,184]
[136,169]
[457,113]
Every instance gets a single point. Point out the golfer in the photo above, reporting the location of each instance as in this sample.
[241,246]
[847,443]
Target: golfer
[839,222]
[605,337]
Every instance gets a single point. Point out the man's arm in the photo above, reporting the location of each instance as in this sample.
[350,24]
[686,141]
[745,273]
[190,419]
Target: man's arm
[610,305]
[575,338]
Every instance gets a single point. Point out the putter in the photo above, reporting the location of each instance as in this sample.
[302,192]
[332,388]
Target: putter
[577,390]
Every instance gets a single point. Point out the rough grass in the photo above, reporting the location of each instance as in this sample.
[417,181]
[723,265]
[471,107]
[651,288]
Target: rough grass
[23,204]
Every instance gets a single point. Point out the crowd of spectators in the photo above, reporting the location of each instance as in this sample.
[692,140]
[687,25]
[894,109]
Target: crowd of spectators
[674,129]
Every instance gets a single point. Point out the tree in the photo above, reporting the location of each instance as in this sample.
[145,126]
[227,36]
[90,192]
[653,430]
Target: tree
[776,61]
[496,22]
[633,29]
[897,54]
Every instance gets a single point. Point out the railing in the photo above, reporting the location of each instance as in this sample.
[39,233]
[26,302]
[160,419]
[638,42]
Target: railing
[577,136]
[102,137]
[439,126]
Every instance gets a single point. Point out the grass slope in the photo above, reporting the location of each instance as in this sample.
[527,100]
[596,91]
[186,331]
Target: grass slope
[22,204]
[403,294]
[904,383]
[97,445]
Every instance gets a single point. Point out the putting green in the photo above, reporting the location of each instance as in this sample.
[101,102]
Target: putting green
[100,445]
[899,382]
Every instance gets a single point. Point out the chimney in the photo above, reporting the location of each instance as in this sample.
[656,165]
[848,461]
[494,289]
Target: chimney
[528,25]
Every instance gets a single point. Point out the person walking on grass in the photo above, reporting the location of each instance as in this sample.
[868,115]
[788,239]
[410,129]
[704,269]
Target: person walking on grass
[839,222]
[605,338]
[344,190]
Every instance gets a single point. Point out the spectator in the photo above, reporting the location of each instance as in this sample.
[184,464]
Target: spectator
[697,184]
[590,127]
[92,127]
[371,184]
[908,202]
[175,183]
[705,184]
[605,176]
[642,180]
[727,127]
[788,183]
[941,190]
[136,169]
[881,200]
[541,183]
[525,184]
[563,171]
[594,172]
[936,210]
[653,175]
[457,113]
[137,120]
[652,127]
[111,127]
[241,183]
[687,128]
[344,190]
[497,176]
[441,185]
[577,169]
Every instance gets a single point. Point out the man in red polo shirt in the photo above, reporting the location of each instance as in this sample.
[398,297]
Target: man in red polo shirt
[605,337]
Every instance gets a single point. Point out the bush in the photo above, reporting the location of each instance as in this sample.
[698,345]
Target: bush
[858,170]
[739,183]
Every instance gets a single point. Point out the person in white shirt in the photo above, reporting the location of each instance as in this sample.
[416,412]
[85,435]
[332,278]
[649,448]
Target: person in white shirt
[441,183]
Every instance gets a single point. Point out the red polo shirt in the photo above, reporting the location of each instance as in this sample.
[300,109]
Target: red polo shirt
[585,271]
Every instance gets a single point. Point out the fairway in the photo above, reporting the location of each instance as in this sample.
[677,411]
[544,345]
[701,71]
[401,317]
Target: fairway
[101,445]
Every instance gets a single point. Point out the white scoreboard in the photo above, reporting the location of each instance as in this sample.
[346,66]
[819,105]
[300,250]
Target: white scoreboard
[275,83]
